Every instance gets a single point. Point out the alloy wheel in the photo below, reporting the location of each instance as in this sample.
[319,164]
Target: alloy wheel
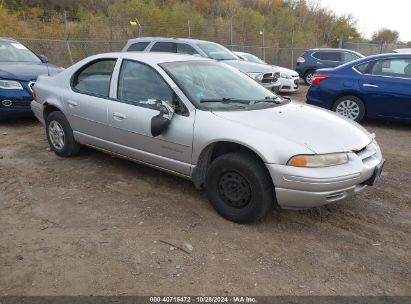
[348,108]
[56,134]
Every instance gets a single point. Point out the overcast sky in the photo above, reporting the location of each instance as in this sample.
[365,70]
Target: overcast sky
[371,15]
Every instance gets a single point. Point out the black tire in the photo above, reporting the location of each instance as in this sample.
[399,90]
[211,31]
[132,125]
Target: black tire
[308,77]
[69,147]
[239,187]
[355,112]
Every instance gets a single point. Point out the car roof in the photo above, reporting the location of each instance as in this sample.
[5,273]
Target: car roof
[389,55]
[153,58]
[189,40]
[331,50]
[7,39]
[403,50]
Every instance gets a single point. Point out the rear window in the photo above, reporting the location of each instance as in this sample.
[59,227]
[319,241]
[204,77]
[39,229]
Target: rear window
[330,56]
[138,47]
[167,47]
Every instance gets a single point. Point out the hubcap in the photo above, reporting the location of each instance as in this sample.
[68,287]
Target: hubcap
[234,189]
[348,108]
[56,134]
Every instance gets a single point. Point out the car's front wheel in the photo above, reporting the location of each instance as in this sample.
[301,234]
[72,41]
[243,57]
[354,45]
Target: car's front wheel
[60,135]
[351,107]
[239,187]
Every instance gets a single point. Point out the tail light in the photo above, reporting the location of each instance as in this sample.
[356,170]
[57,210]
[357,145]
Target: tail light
[300,60]
[318,78]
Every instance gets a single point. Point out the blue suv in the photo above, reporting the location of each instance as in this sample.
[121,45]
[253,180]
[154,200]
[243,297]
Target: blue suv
[19,69]
[314,59]
[376,87]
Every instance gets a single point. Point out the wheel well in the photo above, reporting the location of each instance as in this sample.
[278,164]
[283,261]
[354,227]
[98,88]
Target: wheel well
[211,152]
[308,71]
[48,109]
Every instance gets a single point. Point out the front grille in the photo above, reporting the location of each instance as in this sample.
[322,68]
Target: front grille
[267,78]
[18,104]
[296,82]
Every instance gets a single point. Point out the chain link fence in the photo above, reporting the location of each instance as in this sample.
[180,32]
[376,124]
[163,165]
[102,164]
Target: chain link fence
[67,40]
[369,48]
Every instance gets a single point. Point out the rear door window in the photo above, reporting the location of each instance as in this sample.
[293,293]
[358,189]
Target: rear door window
[328,56]
[392,68]
[138,47]
[95,78]
[167,47]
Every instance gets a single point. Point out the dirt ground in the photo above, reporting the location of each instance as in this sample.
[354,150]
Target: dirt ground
[92,225]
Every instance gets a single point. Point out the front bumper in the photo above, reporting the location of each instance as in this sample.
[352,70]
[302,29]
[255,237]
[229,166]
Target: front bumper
[301,188]
[15,102]
[290,85]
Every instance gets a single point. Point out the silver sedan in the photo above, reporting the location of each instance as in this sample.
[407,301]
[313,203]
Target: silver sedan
[200,119]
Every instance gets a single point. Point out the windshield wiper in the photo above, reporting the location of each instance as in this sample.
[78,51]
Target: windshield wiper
[276,99]
[224,100]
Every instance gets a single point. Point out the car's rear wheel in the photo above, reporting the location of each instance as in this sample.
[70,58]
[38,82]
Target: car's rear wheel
[351,107]
[60,135]
[239,187]
[308,77]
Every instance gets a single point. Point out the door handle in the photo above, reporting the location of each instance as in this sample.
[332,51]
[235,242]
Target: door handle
[72,103]
[119,116]
[370,85]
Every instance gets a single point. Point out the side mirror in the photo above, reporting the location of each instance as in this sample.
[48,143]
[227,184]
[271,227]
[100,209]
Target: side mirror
[44,58]
[160,122]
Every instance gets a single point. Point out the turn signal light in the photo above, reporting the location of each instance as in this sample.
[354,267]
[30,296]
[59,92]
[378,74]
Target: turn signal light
[298,161]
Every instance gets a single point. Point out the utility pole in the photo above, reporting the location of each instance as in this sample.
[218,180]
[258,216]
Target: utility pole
[263,43]
[66,37]
[189,29]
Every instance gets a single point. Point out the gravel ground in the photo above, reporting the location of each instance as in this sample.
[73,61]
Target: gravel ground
[94,225]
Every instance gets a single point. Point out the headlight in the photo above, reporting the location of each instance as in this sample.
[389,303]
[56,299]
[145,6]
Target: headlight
[10,85]
[286,76]
[256,76]
[319,160]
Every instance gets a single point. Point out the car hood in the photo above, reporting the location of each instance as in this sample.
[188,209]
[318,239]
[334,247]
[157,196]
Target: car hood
[26,71]
[250,67]
[317,129]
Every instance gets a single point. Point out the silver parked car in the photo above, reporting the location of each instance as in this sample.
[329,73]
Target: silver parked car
[267,76]
[290,80]
[205,121]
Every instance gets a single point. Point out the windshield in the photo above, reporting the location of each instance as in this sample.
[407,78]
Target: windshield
[16,52]
[253,58]
[215,86]
[216,51]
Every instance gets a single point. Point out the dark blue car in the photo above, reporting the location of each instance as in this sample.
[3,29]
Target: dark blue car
[375,87]
[314,59]
[19,69]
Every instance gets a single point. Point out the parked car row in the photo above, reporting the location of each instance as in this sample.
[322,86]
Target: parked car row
[375,87]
